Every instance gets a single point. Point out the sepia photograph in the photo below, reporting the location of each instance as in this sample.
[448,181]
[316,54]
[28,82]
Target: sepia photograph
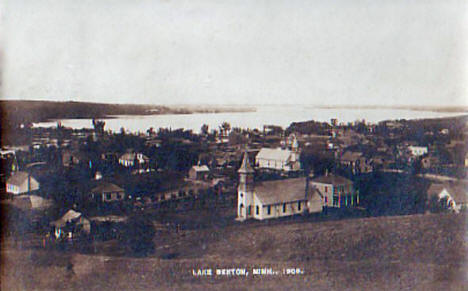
[233,145]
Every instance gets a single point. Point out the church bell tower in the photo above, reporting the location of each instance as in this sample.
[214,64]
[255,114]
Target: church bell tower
[245,203]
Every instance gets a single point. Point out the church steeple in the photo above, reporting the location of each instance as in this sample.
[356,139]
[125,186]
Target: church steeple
[245,167]
[245,190]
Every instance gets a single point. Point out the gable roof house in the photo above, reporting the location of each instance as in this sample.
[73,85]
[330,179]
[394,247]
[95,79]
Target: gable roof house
[278,159]
[70,224]
[21,183]
[129,159]
[336,191]
[356,161]
[455,196]
[107,192]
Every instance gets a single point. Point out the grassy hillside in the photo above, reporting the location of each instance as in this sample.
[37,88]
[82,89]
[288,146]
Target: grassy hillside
[417,252]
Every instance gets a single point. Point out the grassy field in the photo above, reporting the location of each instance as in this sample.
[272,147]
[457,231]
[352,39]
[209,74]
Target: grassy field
[419,252]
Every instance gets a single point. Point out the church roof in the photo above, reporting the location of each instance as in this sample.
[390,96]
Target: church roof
[274,154]
[281,191]
[245,167]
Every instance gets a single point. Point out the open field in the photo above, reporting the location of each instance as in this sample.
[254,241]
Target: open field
[386,253]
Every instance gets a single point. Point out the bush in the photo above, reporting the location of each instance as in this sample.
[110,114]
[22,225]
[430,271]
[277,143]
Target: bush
[137,236]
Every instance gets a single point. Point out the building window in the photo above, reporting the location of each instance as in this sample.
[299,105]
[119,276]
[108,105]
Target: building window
[326,189]
[269,209]
[108,196]
[241,195]
[284,207]
[249,210]
[299,206]
[257,210]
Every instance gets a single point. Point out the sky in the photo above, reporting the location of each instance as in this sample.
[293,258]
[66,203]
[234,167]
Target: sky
[330,52]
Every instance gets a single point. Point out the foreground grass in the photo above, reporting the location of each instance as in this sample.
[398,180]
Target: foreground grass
[386,253]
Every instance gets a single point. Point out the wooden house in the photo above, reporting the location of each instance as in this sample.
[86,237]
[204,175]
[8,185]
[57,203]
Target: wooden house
[278,159]
[199,172]
[21,183]
[71,224]
[336,191]
[133,159]
[107,192]
[454,195]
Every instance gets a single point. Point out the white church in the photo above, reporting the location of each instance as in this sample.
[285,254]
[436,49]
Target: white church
[273,199]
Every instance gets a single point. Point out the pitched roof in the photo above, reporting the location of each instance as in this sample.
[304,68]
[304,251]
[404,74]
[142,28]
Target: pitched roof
[245,167]
[107,187]
[331,179]
[458,192]
[351,156]
[18,178]
[79,155]
[274,154]
[68,217]
[203,168]
[281,191]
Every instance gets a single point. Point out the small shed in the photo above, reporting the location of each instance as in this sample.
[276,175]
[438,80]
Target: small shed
[199,172]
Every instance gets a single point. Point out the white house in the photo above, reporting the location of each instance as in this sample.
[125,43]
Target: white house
[273,199]
[456,196]
[129,159]
[279,159]
[21,183]
[417,151]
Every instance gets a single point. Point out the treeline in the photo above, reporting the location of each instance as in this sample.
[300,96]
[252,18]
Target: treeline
[15,112]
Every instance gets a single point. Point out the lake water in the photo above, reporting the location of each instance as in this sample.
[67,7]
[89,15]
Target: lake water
[271,115]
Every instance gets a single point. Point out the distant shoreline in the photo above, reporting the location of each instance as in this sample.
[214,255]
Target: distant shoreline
[440,109]
[16,112]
